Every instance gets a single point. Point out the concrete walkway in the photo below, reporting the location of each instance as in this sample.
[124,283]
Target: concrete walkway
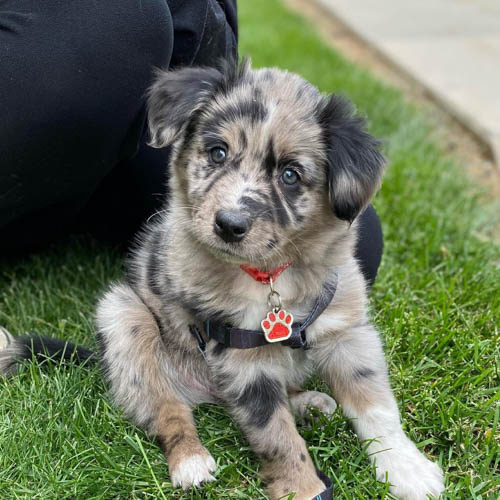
[451,47]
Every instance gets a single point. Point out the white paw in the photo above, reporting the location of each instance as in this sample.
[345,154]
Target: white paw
[319,400]
[193,471]
[412,476]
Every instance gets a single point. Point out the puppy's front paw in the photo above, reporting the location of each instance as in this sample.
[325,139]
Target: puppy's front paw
[193,471]
[411,474]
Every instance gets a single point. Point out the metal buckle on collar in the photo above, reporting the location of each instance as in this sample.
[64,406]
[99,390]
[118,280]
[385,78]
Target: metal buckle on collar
[274,298]
[302,341]
[199,338]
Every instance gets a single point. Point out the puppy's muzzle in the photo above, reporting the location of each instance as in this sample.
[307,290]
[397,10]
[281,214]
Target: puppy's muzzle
[232,227]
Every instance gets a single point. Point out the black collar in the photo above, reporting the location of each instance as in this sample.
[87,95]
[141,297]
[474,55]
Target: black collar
[239,338]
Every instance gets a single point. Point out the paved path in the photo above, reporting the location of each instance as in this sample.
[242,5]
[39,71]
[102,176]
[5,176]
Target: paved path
[452,47]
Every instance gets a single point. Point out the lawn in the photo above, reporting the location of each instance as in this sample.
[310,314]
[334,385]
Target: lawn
[436,302]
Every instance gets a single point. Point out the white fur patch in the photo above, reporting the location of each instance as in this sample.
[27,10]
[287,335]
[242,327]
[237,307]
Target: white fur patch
[193,471]
[411,474]
[5,338]
[9,351]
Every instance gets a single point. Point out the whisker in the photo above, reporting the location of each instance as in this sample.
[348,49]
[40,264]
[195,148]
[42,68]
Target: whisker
[155,214]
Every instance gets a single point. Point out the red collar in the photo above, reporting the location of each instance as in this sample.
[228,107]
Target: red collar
[264,276]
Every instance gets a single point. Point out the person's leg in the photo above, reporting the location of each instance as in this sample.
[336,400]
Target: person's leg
[76,76]
[370,244]
[72,90]
[205,31]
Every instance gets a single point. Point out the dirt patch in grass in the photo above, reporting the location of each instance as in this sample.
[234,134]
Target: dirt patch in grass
[453,137]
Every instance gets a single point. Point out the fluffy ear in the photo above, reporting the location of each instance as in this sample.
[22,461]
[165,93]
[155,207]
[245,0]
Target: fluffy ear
[173,97]
[354,162]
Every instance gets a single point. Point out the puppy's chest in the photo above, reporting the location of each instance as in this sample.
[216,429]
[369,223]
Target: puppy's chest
[251,311]
[237,300]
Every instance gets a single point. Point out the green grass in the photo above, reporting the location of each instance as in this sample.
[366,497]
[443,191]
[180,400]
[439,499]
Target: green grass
[436,302]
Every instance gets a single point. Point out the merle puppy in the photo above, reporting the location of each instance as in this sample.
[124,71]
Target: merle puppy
[267,177]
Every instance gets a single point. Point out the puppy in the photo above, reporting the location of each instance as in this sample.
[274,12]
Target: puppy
[267,177]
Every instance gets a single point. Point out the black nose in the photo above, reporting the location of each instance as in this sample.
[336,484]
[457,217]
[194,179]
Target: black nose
[231,226]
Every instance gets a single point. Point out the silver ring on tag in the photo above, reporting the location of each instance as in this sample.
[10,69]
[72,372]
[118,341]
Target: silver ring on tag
[274,300]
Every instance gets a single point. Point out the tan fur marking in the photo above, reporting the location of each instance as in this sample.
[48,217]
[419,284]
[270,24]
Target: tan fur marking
[177,433]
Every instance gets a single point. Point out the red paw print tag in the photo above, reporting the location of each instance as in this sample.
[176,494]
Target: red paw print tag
[277,325]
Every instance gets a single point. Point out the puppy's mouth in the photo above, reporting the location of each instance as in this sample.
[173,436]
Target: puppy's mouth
[263,258]
[253,250]
[226,255]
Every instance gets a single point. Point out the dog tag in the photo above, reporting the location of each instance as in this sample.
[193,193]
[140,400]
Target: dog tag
[277,325]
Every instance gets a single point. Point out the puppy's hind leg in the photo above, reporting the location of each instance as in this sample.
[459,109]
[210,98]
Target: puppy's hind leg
[143,378]
[301,401]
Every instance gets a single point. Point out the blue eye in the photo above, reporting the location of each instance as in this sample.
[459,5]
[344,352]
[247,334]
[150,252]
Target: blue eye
[290,177]
[218,154]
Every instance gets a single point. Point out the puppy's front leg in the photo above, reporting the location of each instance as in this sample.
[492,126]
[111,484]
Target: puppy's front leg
[257,400]
[353,364]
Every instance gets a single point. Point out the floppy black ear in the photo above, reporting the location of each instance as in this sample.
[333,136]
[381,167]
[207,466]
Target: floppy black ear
[354,162]
[172,99]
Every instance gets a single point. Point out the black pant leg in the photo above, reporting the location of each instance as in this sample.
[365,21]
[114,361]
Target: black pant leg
[132,192]
[205,31]
[73,77]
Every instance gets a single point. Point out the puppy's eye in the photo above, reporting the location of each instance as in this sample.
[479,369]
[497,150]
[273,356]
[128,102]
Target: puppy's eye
[218,154]
[290,177]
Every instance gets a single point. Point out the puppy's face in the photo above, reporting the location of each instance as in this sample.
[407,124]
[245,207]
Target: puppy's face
[261,158]
[251,168]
